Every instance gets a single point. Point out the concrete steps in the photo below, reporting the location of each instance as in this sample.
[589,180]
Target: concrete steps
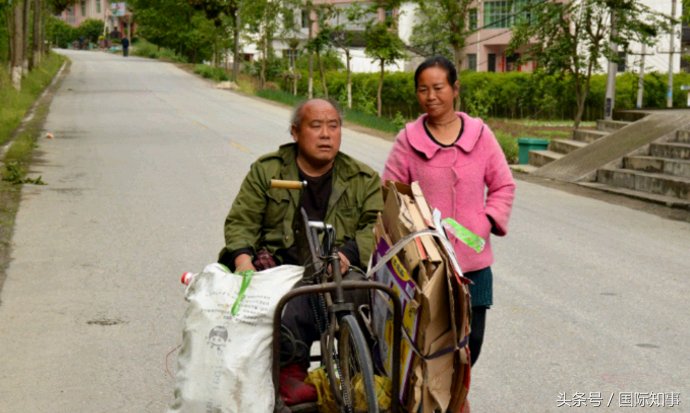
[655,183]
[541,158]
[675,150]
[588,135]
[668,201]
[611,125]
[565,146]
[662,175]
[654,164]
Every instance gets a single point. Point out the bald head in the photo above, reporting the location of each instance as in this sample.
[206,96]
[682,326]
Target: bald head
[298,113]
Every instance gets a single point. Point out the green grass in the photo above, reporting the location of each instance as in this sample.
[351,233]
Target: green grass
[280,96]
[15,104]
[372,121]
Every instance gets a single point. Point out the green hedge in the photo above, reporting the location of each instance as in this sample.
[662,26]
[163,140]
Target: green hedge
[504,95]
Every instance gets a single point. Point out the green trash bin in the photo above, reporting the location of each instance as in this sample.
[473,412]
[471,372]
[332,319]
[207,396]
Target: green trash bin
[530,144]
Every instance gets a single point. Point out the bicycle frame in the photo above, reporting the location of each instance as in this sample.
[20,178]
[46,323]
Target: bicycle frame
[331,287]
[338,307]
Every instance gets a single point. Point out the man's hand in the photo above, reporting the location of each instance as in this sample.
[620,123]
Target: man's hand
[243,262]
[344,263]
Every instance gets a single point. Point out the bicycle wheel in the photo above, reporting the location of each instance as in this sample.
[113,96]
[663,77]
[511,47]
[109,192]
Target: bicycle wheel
[356,369]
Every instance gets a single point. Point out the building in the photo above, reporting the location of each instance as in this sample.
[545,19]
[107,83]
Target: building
[493,20]
[116,16]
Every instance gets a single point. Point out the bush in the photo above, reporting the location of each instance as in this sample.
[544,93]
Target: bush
[215,73]
[90,29]
[59,33]
[150,50]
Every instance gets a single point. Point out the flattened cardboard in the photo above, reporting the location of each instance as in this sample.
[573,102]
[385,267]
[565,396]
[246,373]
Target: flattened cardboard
[436,305]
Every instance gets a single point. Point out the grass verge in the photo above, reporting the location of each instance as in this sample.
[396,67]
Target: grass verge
[19,155]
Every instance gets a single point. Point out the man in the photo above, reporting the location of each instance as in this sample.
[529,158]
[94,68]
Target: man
[125,46]
[260,227]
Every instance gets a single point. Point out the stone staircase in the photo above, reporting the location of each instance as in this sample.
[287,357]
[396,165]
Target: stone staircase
[558,148]
[658,172]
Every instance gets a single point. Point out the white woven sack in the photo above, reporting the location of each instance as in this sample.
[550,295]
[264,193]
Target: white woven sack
[224,364]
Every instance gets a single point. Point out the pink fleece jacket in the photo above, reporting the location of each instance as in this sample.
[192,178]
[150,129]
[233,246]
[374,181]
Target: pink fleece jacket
[469,181]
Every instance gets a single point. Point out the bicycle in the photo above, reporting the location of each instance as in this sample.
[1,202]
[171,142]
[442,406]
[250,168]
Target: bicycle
[344,349]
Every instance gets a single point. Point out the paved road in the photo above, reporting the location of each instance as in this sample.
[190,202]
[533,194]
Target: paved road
[590,297]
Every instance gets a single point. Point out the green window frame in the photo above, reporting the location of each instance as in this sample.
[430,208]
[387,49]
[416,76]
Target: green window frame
[473,22]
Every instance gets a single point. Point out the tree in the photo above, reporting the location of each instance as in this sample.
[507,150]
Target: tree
[175,24]
[443,26]
[384,45]
[321,41]
[343,39]
[570,38]
[263,17]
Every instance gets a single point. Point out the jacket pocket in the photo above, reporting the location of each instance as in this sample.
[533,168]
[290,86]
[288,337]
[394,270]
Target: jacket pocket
[277,205]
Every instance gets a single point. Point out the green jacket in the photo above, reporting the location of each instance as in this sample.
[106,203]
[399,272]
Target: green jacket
[263,217]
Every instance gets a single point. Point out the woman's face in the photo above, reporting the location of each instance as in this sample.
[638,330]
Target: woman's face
[434,93]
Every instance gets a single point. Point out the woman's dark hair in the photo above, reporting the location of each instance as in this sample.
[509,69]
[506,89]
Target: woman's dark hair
[441,62]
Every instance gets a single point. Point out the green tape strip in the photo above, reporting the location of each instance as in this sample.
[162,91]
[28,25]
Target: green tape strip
[246,280]
[466,236]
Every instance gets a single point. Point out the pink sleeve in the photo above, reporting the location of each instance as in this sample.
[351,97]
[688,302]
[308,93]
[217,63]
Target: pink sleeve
[500,184]
[397,166]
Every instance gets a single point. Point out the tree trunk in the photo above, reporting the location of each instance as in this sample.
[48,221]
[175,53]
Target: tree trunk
[236,48]
[17,58]
[38,34]
[379,92]
[310,79]
[349,79]
[457,54]
[323,75]
[25,26]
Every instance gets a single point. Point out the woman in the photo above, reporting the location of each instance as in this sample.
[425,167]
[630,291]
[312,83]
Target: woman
[462,171]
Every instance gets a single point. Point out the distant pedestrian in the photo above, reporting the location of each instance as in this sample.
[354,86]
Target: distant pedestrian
[125,47]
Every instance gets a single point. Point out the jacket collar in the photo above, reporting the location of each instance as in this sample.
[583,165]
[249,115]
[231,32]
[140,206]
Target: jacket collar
[472,129]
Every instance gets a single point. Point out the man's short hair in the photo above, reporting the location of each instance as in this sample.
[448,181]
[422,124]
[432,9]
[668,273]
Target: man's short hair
[296,119]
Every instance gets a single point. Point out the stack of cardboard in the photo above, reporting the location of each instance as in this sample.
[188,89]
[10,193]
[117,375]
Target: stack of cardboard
[436,309]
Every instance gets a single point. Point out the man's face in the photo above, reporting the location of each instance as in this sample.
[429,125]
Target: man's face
[318,135]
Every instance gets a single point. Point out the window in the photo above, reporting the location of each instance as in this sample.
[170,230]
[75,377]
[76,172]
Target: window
[290,55]
[504,14]
[83,7]
[512,62]
[473,19]
[305,18]
[522,10]
[622,58]
[497,14]
[472,62]
[98,6]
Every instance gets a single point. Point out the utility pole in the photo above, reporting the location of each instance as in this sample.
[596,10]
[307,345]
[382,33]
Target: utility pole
[613,68]
[640,80]
[669,93]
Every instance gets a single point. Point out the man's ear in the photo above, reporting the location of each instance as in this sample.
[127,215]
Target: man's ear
[293,132]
